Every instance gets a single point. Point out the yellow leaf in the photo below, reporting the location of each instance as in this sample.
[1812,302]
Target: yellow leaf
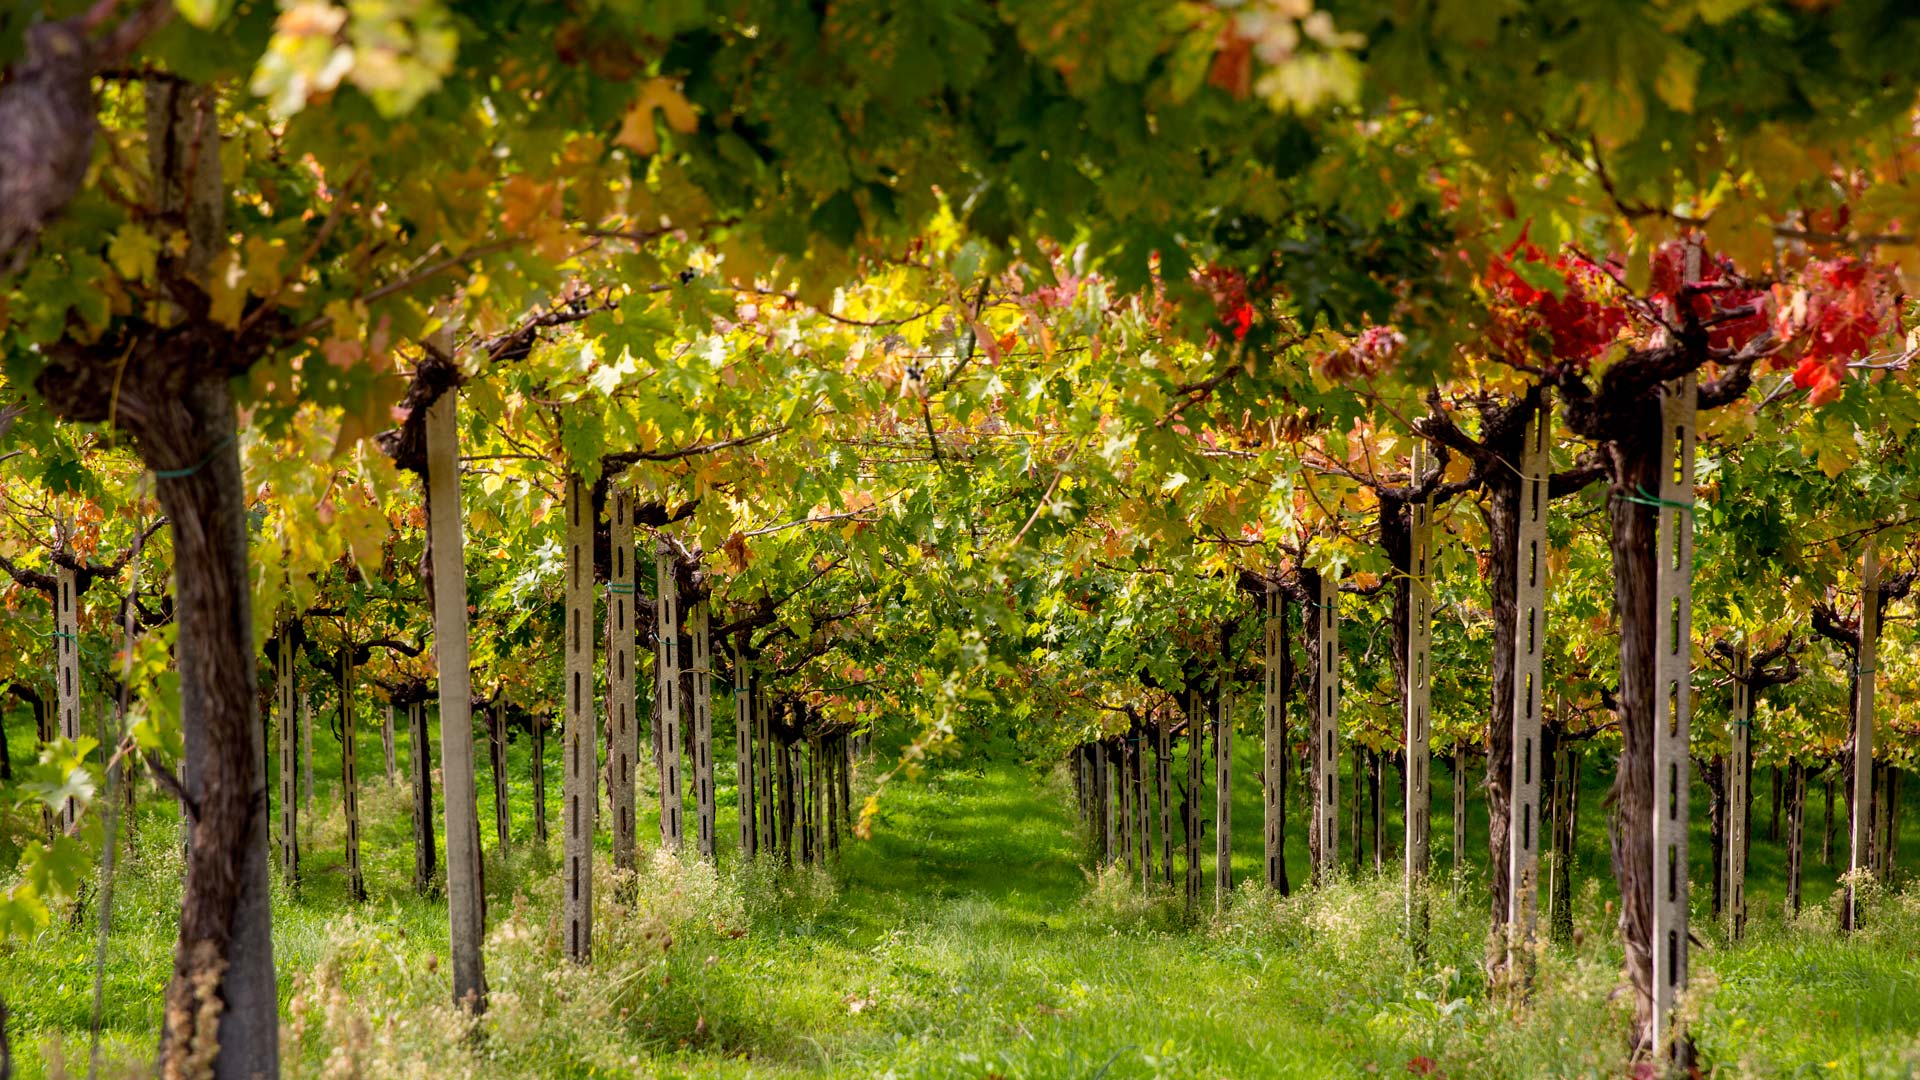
[637,132]
[1679,77]
[133,252]
[227,288]
[263,264]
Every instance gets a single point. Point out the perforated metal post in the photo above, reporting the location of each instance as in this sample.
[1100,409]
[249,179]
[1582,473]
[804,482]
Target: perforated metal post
[743,746]
[68,669]
[1861,831]
[699,631]
[1739,765]
[580,736]
[1419,695]
[763,768]
[1673,658]
[1326,733]
[1529,646]
[667,697]
[624,738]
[1273,737]
[386,742]
[66,654]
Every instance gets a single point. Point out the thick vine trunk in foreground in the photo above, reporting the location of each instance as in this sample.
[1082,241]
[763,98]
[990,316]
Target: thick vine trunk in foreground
[222,1002]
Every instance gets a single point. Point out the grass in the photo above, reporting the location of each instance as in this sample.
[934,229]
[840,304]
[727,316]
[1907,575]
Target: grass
[966,938]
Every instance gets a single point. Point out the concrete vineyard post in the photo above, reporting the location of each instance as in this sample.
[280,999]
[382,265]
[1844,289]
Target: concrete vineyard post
[1672,753]
[783,765]
[831,768]
[350,774]
[698,630]
[1222,798]
[1077,760]
[763,766]
[579,736]
[1274,738]
[1143,812]
[667,700]
[1796,823]
[743,746]
[811,793]
[1529,648]
[306,761]
[1123,796]
[1103,803]
[287,738]
[1326,729]
[466,897]
[1861,805]
[386,742]
[1163,795]
[66,652]
[623,732]
[1377,808]
[423,853]
[1739,774]
[1196,774]
[539,725]
[497,762]
[844,768]
[1417,855]
[1459,792]
[1357,819]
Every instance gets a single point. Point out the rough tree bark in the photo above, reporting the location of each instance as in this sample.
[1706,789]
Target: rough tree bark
[1566,832]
